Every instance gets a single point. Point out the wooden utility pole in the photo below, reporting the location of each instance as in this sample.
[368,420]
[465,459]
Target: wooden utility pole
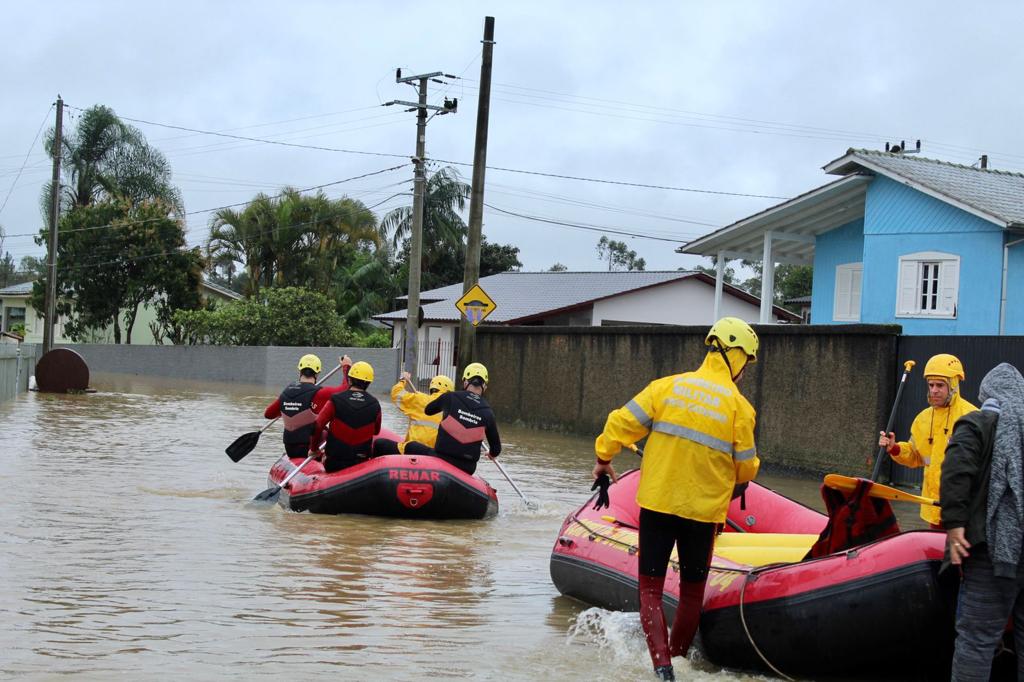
[51,259]
[467,332]
[412,317]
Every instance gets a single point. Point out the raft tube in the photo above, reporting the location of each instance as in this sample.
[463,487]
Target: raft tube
[880,610]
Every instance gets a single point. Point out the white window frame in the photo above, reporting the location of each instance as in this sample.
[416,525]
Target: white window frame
[847,294]
[941,302]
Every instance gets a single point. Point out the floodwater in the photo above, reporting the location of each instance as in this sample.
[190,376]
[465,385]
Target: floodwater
[128,551]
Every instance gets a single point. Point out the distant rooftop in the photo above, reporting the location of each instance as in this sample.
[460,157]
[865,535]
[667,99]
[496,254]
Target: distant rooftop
[22,289]
[997,194]
[523,296]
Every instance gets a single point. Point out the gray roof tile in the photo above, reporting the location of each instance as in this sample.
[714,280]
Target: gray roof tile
[999,194]
[17,289]
[526,294]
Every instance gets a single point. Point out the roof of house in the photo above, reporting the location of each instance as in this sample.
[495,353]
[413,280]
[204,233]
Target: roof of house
[23,289]
[223,291]
[526,296]
[995,195]
[799,299]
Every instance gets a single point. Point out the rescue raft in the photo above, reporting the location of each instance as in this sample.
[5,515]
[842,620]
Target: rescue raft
[406,486]
[880,610]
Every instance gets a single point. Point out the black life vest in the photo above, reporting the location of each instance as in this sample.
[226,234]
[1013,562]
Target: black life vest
[464,423]
[297,412]
[354,425]
[854,519]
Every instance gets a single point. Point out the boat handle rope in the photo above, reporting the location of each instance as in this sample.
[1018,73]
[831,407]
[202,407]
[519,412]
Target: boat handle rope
[743,620]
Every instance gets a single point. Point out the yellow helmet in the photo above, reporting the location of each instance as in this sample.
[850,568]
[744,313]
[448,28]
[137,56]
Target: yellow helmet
[732,332]
[362,371]
[475,369]
[946,366]
[441,384]
[310,361]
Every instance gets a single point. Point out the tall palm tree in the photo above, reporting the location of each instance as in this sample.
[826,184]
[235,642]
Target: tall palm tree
[236,234]
[105,158]
[445,197]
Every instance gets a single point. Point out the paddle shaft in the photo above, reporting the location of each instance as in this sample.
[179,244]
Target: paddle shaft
[290,476]
[907,366]
[848,483]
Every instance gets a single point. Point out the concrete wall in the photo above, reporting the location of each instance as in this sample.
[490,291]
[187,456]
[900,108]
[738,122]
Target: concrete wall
[268,365]
[16,364]
[821,392]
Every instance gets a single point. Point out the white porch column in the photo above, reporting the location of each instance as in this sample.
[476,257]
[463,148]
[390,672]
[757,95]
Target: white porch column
[719,280]
[767,280]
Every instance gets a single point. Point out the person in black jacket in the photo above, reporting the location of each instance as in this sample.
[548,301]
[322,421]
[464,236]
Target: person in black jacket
[466,419]
[982,500]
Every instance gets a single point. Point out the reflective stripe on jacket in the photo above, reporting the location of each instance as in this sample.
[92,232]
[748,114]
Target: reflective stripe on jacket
[701,442]
[422,427]
[929,435]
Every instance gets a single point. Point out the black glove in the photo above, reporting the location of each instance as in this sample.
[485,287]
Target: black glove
[601,484]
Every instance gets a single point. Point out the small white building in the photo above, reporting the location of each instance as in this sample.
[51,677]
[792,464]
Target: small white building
[576,299]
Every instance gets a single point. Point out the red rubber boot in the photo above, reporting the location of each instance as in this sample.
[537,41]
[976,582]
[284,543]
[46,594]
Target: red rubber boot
[684,627]
[652,619]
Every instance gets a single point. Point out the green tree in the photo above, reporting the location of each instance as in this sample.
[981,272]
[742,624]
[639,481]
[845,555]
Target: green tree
[618,255]
[791,281]
[105,158]
[287,316]
[113,257]
[728,276]
[445,197]
[558,267]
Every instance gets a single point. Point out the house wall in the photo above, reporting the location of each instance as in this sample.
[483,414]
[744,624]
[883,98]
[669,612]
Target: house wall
[844,244]
[33,321]
[820,391]
[899,220]
[688,301]
[436,341]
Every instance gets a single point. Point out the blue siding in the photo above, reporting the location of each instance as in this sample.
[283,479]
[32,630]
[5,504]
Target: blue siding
[898,221]
[844,244]
[1015,291]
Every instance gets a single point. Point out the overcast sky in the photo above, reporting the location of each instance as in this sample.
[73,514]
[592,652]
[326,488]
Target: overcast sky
[737,97]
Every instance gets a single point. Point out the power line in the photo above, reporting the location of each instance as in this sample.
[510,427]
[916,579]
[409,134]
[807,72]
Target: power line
[218,208]
[27,154]
[586,226]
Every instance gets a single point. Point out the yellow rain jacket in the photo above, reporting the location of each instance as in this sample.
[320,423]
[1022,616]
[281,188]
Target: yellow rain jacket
[701,441]
[927,447]
[422,427]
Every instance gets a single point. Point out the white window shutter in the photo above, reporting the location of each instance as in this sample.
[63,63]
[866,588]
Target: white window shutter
[949,286]
[841,310]
[906,292]
[856,275]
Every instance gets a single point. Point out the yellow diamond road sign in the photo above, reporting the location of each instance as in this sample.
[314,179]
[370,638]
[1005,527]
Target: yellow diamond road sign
[476,305]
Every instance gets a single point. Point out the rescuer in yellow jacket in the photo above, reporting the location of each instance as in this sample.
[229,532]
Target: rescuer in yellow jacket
[700,447]
[931,429]
[422,427]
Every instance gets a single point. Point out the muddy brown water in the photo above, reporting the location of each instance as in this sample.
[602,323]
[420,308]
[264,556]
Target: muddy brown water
[128,551]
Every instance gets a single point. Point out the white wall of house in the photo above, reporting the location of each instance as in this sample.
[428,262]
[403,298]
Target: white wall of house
[685,302]
[436,341]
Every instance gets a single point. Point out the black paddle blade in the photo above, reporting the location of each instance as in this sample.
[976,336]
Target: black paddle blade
[268,496]
[243,445]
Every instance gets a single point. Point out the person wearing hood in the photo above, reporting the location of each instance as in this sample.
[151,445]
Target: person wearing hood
[931,428]
[983,511]
[700,447]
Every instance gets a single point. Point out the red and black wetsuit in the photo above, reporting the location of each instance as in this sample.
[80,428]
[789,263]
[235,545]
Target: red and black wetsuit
[353,418]
[466,419]
[307,399]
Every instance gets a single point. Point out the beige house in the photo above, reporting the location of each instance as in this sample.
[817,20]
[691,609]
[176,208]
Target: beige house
[18,316]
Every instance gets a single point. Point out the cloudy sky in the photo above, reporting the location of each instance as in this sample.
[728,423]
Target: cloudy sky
[731,98]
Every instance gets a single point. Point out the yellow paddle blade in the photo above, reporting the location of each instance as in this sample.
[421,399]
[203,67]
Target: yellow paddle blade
[849,483]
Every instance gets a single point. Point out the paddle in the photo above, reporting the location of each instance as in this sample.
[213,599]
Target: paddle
[245,443]
[529,503]
[882,455]
[849,483]
[271,494]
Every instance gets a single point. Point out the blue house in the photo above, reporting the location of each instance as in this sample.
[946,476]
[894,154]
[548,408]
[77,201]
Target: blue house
[900,239]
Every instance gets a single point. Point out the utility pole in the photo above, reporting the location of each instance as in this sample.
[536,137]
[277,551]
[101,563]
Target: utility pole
[467,332]
[412,317]
[51,260]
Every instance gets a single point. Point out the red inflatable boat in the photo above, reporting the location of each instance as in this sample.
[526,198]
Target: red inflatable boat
[880,610]
[407,486]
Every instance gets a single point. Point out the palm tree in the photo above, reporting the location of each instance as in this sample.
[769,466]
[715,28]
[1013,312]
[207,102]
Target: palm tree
[105,158]
[236,235]
[445,198]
